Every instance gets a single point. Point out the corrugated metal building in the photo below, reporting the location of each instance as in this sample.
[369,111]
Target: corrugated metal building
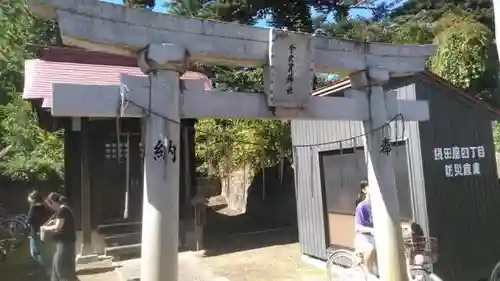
[445,173]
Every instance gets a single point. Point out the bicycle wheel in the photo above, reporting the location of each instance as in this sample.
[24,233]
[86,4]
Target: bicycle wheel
[356,273]
[495,273]
[343,259]
[340,263]
[13,227]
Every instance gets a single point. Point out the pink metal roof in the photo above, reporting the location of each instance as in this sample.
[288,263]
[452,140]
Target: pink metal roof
[73,66]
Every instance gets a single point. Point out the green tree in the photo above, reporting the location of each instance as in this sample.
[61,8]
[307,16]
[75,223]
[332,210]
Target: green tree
[144,4]
[480,10]
[466,55]
[293,14]
[187,8]
[35,153]
[226,144]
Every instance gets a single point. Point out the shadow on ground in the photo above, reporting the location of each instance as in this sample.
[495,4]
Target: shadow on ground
[95,270]
[244,232]
[269,219]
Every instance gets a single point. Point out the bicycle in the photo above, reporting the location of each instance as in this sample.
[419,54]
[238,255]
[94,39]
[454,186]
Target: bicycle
[14,226]
[495,273]
[420,252]
[13,230]
[350,263]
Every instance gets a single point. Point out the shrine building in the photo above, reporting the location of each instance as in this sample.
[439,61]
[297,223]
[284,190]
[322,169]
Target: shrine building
[103,163]
[445,172]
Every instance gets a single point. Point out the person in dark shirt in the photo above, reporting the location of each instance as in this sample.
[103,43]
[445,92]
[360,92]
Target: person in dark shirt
[37,215]
[63,233]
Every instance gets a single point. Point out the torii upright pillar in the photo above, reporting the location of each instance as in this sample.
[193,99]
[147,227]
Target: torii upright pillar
[164,63]
[381,177]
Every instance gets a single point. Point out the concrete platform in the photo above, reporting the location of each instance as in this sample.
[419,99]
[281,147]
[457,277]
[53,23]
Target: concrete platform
[190,269]
[97,243]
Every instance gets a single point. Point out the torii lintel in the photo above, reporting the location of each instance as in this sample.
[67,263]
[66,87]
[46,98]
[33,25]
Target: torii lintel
[100,26]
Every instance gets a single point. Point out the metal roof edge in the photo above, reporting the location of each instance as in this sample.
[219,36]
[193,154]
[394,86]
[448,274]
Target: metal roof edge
[346,83]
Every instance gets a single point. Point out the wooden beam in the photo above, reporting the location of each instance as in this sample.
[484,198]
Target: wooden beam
[99,26]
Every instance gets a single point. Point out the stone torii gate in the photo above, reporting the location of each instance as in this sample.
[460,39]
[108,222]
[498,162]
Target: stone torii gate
[166,44]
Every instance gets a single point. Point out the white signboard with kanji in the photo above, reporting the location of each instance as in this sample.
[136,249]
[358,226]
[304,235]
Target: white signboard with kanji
[460,161]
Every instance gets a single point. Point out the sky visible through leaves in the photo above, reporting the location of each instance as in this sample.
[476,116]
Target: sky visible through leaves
[160,7]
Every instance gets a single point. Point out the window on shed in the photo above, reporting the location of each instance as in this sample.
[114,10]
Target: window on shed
[341,172]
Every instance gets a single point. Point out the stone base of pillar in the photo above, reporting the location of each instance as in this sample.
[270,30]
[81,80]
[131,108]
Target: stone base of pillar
[86,255]
[86,259]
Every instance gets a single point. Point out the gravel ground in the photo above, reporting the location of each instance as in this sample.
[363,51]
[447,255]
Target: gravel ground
[191,268]
[275,263]
[99,271]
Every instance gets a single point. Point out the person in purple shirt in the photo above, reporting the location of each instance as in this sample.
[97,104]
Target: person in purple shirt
[364,241]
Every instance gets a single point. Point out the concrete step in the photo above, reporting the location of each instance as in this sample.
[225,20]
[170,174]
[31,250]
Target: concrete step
[119,227]
[123,251]
[121,239]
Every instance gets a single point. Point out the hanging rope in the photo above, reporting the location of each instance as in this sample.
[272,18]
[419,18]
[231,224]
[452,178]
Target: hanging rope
[227,164]
[311,165]
[341,170]
[127,178]
[398,116]
[263,168]
[118,140]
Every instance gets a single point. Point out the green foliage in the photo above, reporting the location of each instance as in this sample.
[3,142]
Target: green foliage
[34,153]
[187,8]
[359,29]
[17,29]
[481,11]
[462,30]
[496,135]
[141,4]
[227,144]
[294,15]
[412,32]
[465,54]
